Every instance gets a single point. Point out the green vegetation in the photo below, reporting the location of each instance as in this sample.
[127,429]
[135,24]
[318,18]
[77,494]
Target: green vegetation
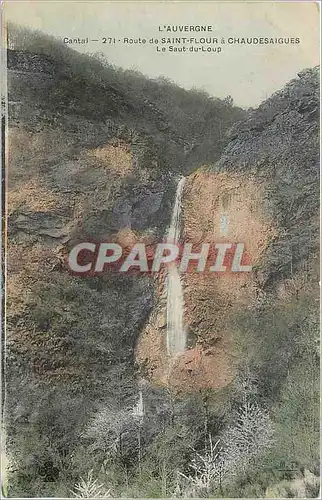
[90,87]
[73,426]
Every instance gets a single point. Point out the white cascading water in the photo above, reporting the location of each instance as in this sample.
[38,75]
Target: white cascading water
[138,410]
[176,336]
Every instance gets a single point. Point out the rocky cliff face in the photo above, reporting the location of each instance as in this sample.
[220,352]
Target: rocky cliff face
[210,298]
[255,195]
[74,179]
[278,143]
[88,160]
[94,154]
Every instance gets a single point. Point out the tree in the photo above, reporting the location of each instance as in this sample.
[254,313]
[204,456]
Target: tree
[88,488]
[109,430]
[229,100]
[206,472]
[245,441]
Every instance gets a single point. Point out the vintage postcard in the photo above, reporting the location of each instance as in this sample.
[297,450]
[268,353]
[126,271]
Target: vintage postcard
[160,333]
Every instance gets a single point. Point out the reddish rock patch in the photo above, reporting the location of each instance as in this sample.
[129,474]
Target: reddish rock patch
[216,208]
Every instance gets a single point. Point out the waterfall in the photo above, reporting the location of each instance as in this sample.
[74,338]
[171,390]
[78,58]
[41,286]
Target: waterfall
[176,336]
[138,410]
[174,229]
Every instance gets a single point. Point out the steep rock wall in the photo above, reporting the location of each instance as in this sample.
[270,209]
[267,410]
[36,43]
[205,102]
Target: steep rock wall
[263,193]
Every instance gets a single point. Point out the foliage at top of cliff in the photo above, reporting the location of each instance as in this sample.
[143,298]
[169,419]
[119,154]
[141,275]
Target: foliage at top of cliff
[88,86]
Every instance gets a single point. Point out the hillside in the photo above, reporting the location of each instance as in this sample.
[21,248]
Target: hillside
[95,153]
[89,158]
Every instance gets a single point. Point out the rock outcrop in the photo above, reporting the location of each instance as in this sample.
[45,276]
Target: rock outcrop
[90,159]
[255,195]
